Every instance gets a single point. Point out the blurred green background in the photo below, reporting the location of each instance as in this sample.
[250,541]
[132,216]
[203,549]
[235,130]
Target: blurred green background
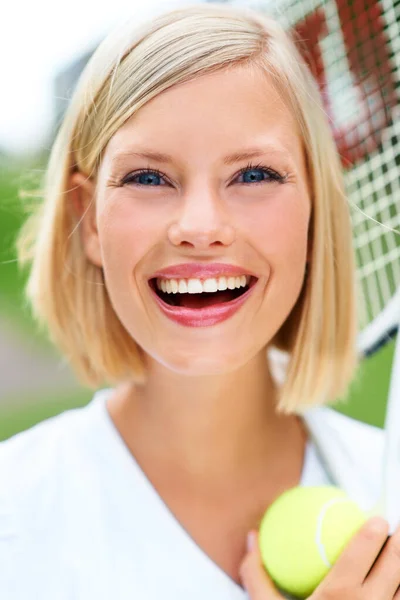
[27,360]
[32,398]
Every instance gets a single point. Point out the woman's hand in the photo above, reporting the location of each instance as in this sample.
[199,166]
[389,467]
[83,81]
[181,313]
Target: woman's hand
[359,573]
[253,575]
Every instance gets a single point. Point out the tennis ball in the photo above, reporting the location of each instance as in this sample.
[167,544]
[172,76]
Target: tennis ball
[303,533]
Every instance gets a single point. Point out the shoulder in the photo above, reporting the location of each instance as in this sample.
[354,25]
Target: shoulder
[29,462]
[33,464]
[352,449]
[32,452]
[45,477]
[347,428]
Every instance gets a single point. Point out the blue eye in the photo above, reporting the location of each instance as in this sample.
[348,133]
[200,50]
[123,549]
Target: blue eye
[146,178]
[250,175]
[259,174]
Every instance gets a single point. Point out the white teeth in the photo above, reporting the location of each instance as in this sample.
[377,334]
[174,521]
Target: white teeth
[222,284]
[197,286]
[182,286]
[210,285]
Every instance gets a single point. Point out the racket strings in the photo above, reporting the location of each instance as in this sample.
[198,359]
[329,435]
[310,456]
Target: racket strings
[353,50]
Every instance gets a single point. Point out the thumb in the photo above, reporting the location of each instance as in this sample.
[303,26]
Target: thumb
[253,575]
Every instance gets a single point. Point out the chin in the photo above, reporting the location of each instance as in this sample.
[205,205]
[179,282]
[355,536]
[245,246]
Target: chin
[210,362]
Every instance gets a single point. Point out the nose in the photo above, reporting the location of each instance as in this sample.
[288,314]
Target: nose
[202,222]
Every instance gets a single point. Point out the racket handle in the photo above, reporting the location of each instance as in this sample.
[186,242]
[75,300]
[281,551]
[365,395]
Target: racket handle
[391,483]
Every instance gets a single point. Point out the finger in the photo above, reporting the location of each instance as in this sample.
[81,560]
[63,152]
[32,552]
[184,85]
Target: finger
[384,578]
[355,562]
[253,575]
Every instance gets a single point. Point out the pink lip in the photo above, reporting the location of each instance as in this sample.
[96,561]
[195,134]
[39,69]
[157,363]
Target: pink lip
[202,317]
[200,271]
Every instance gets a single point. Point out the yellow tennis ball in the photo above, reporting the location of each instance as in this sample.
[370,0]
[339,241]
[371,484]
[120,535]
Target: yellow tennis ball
[303,533]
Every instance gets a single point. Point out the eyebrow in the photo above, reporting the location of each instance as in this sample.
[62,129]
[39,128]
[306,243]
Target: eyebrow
[228,160]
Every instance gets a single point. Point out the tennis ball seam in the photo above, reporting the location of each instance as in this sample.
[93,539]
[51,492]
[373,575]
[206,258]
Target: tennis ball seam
[318,534]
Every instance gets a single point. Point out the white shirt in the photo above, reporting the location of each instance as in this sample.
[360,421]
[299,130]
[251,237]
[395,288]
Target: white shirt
[79,520]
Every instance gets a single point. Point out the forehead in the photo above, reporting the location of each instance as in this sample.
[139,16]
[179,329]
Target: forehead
[221,111]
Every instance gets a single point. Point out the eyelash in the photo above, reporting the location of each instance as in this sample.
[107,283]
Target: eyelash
[273,175]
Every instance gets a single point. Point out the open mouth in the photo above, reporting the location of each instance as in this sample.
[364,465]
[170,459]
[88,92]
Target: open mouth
[198,294]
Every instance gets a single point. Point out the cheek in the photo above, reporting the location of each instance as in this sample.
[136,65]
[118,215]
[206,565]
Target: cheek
[280,232]
[128,236]
[127,233]
[280,235]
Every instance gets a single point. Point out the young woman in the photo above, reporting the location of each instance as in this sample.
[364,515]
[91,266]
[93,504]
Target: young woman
[194,222]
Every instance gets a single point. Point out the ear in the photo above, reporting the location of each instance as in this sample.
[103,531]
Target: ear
[82,197]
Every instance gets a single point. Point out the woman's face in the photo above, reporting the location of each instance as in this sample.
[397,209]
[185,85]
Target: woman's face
[204,189]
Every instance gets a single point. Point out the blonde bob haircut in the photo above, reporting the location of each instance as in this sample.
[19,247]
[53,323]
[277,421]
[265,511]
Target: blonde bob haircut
[131,66]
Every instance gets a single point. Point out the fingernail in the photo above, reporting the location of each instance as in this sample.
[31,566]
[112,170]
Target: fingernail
[378,524]
[251,541]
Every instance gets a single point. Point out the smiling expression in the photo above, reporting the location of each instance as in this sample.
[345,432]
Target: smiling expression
[204,186]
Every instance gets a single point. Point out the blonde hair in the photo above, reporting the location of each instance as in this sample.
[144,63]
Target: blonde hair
[131,66]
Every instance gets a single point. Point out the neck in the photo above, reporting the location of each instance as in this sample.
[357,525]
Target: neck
[207,426]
